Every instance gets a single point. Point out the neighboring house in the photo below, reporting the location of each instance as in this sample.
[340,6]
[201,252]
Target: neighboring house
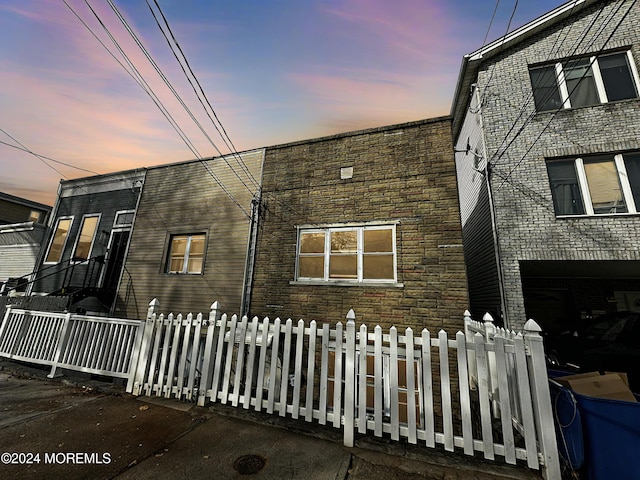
[191,237]
[22,231]
[546,123]
[365,220]
[90,230]
[20,210]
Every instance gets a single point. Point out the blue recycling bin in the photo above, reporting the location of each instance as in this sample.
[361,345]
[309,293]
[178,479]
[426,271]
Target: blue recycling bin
[597,436]
[611,437]
[568,421]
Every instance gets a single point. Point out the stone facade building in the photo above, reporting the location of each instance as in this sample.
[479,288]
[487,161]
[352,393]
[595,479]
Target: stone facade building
[546,123]
[366,220]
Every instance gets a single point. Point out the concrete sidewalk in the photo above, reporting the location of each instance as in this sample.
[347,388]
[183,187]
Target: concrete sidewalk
[80,429]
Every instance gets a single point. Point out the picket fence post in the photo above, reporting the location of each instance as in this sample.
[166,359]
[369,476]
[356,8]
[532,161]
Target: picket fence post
[471,358]
[350,381]
[209,353]
[542,401]
[143,355]
[489,335]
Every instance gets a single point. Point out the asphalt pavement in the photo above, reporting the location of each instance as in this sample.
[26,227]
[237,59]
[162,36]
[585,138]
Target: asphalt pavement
[77,427]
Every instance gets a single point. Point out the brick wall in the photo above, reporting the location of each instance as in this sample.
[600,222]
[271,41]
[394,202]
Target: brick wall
[402,173]
[526,223]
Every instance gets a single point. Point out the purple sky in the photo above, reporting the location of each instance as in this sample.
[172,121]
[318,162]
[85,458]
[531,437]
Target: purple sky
[275,71]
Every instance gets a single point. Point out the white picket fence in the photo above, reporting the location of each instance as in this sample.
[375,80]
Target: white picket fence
[486,390]
[96,345]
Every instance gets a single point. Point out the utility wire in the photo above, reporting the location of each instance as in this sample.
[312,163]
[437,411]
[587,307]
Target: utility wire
[21,147]
[500,151]
[615,29]
[552,52]
[138,77]
[186,108]
[200,94]
[170,87]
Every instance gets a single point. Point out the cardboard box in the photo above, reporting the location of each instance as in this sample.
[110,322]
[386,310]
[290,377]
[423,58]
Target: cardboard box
[612,386]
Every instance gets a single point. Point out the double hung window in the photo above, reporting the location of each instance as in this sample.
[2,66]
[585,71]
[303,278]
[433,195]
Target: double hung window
[597,185]
[59,240]
[88,229]
[584,81]
[350,254]
[186,253]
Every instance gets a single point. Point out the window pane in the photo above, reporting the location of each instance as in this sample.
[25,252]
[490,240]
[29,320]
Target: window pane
[580,83]
[312,242]
[344,242]
[87,231]
[545,88]
[604,186]
[125,218]
[179,245]
[616,76]
[632,164]
[59,239]
[176,264]
[197,245]
[343,266]
[564,188]
[194,265]
[311,267]
[375,267]
[177,253]
[378,240]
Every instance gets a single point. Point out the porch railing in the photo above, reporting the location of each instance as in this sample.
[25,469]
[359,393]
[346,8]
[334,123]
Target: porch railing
[96,345]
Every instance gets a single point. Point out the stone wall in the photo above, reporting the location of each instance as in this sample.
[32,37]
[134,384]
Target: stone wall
[403,174]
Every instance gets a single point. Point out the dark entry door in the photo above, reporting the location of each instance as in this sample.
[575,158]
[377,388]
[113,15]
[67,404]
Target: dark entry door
[115,260]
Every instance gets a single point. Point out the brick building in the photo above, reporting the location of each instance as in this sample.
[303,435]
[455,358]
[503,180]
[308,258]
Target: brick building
[366,220]
[546,123]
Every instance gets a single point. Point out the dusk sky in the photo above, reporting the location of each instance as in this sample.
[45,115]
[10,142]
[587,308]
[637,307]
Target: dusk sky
[275,71]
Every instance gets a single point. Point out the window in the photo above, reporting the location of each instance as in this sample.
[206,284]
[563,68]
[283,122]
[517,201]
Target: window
[123,219]
[352,254]
[59,239]
[88,229]
[186,253]
[35,216]
[598,185]
[584,81]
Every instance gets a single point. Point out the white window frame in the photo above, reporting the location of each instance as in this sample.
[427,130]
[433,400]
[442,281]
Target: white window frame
[595,68]
[117,225]
[585,193]
[187,252]
[93,239]
[359,229]
[53,236]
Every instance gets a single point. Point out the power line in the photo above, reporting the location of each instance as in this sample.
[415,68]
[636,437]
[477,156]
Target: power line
[615,29]
[138,77]
[21,147]
[199,94]
[500,152]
